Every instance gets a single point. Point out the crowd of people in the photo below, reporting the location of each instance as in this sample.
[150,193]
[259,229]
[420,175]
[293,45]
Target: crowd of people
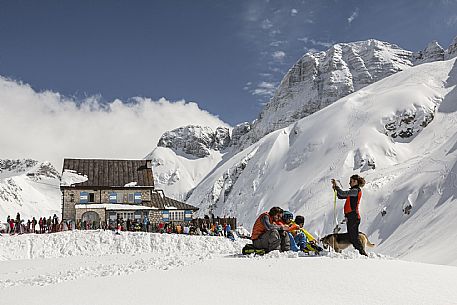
[189,228]
[42,225]
[53,224]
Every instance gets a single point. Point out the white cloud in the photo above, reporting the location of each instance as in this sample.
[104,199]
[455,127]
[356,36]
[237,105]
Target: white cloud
[452,20]
[277,43]
[293,12]
[265,89]
[311,50]
[314,42]
[266,24]
[275,32]
[48,126]
[278,55]
[354,15]
[267,85]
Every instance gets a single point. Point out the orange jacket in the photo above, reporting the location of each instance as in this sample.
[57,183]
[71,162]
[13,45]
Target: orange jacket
[293,228]
[258,229]
[352,196]
[352,204]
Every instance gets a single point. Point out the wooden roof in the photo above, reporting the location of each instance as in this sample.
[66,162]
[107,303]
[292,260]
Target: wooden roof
[161,202]
[111,173]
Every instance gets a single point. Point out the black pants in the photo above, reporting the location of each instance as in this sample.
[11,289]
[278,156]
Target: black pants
[353,223]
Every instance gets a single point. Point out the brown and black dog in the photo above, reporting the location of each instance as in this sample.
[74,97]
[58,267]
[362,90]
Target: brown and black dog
[341,241]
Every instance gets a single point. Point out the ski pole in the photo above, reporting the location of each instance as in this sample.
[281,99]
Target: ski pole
[334,208]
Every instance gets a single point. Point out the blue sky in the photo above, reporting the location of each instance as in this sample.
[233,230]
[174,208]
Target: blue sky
[227,56]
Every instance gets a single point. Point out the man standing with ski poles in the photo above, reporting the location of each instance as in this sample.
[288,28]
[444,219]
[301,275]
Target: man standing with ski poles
[351,208]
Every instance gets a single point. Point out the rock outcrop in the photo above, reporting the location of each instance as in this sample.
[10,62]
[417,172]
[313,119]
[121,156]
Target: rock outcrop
[195,141]
[433,52]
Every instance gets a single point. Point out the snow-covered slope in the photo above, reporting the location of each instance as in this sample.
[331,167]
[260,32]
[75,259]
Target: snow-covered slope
[184,156]
[29,187]
[398,132]
[176,174]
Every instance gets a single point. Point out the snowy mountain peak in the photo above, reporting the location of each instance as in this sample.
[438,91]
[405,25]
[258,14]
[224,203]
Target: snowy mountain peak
[17,166]
[433,52]
[239,131]
[44,170]
[321,78]
[451,51]
[28,186]
[196,141]
[186,155]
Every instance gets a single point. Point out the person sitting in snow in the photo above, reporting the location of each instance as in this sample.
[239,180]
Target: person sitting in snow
[297,239]
[268,234]
[311,244]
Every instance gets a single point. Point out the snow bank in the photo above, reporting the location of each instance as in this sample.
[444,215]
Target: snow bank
[70,177]
[100,243]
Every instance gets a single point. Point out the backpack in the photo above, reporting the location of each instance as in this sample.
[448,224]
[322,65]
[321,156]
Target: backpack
[250,249]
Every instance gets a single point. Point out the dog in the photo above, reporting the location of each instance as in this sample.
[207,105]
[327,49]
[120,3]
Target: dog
[341,241]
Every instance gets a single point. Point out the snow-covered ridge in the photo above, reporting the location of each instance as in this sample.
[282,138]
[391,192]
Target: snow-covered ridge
[195,141]
[15,166]
[186,155]
[29,187]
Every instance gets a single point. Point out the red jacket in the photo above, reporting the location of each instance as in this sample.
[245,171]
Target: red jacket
[258,229]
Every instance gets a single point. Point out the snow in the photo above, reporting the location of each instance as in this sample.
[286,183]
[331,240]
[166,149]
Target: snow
[177,175]
[70,177]
[131,184]
[29,192]
[100,267]
[169,207]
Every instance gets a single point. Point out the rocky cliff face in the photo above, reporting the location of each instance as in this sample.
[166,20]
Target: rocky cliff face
[319,79]
[451,51]
[238,132]
[433,52]
[195,141]
[8,166]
